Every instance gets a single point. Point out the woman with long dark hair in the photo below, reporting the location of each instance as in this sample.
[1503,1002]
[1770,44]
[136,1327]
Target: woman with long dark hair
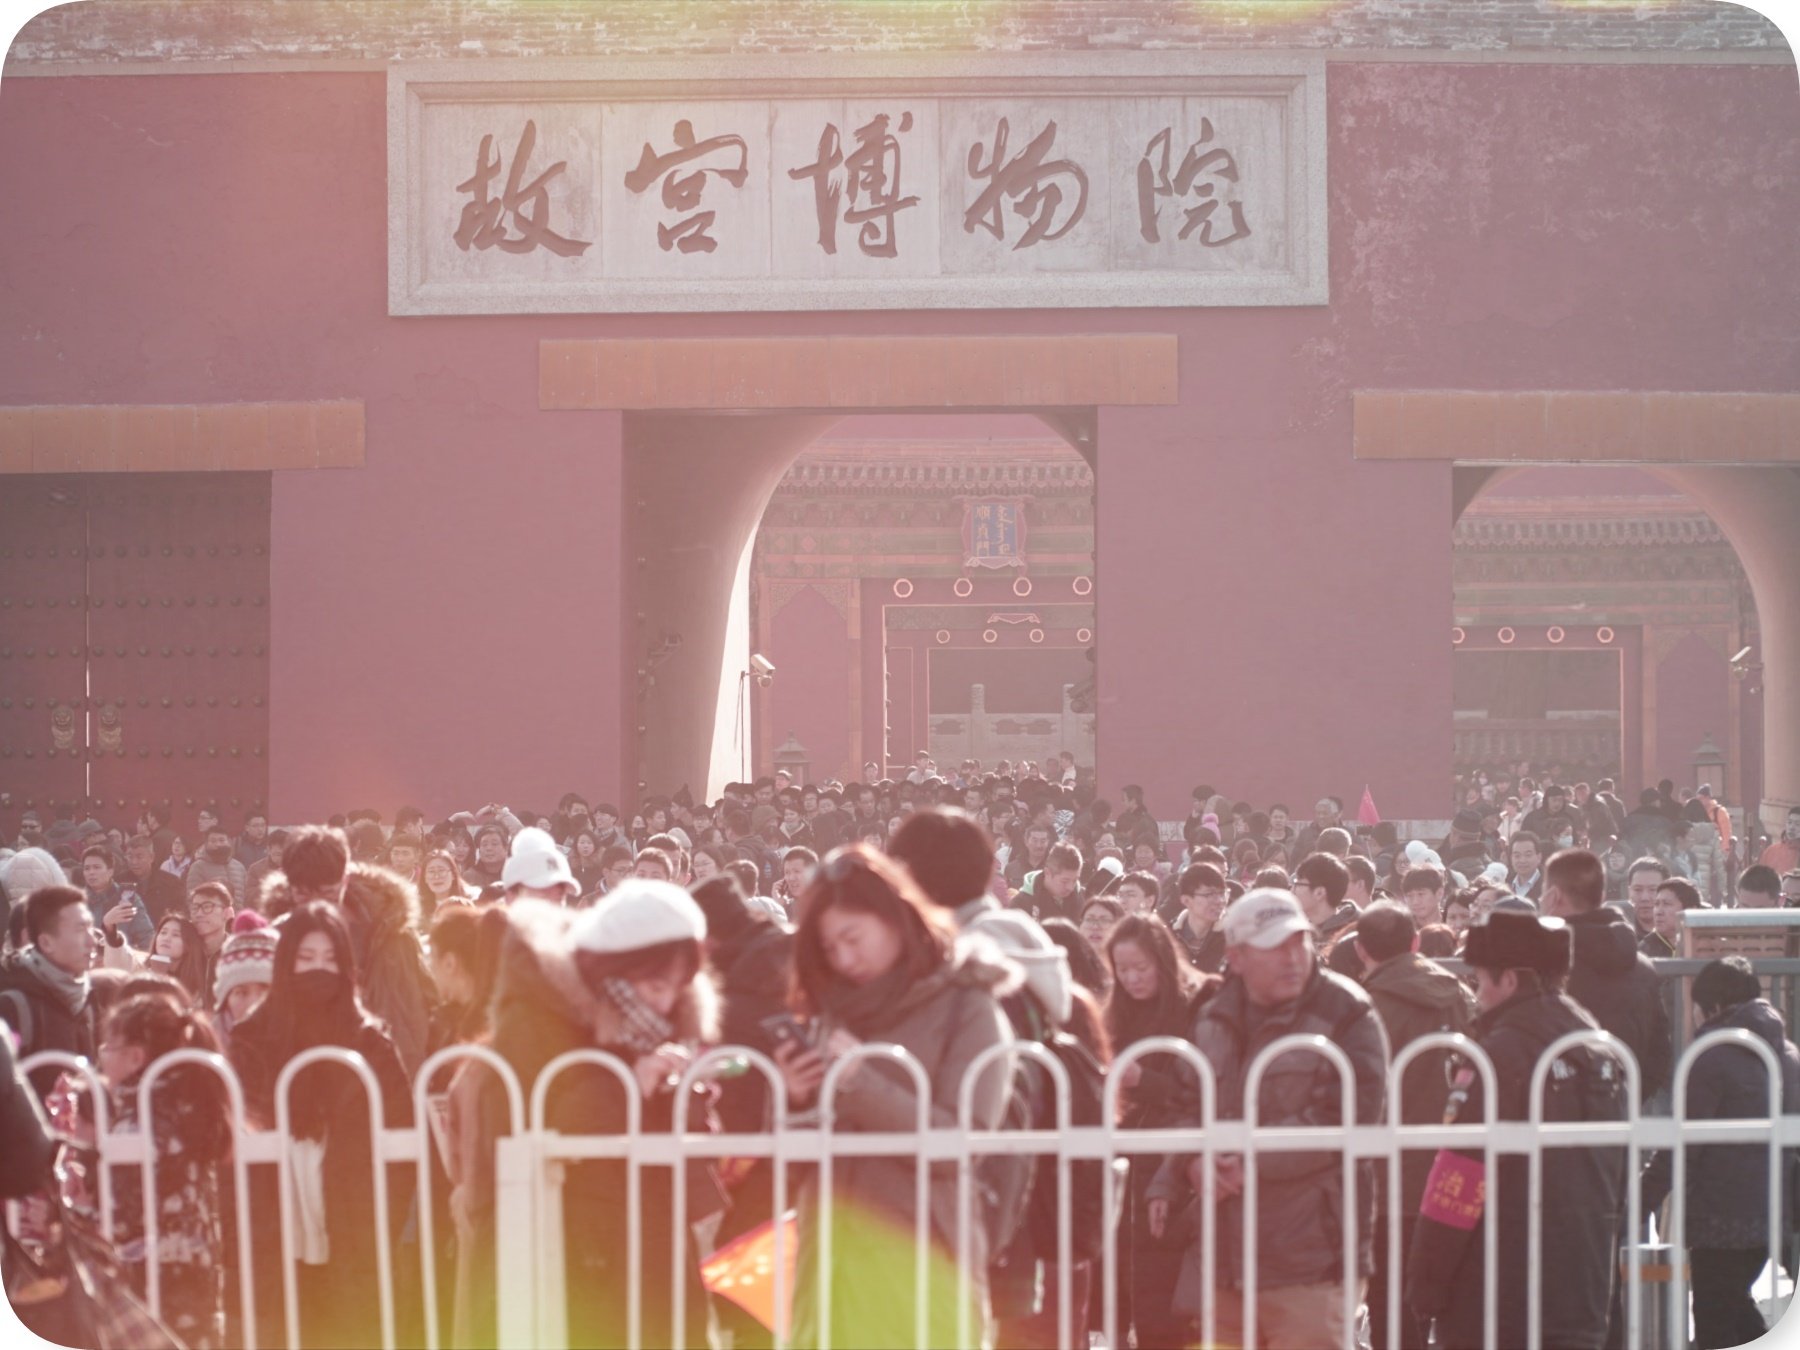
[1155,992]
[313,1001]
[177,949]
[441,882]
[876,961]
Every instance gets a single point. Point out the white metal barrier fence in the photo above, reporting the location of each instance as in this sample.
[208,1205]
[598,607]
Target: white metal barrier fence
[529,1166]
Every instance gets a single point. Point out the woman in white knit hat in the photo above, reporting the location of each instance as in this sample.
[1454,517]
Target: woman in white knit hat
[625,977]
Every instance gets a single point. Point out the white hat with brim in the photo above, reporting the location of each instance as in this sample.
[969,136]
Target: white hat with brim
[1264,918]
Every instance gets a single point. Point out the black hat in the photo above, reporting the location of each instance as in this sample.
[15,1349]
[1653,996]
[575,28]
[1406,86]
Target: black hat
[1512,941]
[1468,821]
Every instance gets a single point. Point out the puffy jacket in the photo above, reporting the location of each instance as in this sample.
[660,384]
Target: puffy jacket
[542,1008]
[1583,1189]
[754,968]
[1416,997]
[41,1016]
[1619,986]
[1301,1198]
[944,1020]
[27,1144]
[1728,1184]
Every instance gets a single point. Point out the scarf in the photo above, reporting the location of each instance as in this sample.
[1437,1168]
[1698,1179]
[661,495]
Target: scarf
[70,990]
[866,1008]
[644,1028]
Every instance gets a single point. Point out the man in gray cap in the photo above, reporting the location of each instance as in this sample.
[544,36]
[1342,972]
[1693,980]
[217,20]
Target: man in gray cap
[1277,988]
[1521,964]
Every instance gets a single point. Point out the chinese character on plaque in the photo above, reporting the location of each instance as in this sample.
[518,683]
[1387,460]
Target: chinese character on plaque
[994,532]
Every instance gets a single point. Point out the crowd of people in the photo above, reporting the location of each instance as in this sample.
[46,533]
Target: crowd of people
[946,914]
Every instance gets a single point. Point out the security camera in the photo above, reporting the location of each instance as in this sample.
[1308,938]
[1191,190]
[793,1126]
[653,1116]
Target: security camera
[762,666]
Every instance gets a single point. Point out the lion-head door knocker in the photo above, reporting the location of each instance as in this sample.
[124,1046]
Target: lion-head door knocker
[62,727]
[112,730]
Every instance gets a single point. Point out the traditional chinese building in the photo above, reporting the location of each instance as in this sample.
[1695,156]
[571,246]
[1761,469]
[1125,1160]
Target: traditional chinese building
[393,391]
[961,564]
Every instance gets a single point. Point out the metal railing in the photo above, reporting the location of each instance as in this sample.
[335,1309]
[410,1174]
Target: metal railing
[530,1162]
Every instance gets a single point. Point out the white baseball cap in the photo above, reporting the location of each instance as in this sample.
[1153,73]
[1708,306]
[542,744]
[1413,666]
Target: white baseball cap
[1264,918]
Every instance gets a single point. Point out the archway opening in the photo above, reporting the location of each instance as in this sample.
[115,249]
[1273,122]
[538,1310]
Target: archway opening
[1605,627]
[924,585]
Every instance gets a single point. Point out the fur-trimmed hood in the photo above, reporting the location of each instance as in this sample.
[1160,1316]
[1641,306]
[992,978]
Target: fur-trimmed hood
[537,970]
[387,900]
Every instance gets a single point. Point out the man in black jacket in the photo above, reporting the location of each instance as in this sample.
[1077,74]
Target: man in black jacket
[1520,962]
[1611,978]
[44,985]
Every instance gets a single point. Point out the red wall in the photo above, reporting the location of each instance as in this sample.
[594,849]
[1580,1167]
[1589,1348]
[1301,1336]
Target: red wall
[447,619]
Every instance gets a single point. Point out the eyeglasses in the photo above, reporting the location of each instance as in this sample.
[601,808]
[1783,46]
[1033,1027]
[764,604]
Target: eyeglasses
[204,908]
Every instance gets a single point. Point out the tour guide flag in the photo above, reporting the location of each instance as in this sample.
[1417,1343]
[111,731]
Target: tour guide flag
[743,1271]
[1366,814]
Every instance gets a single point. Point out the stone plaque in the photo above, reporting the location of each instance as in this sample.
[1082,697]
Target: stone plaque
[1119,181]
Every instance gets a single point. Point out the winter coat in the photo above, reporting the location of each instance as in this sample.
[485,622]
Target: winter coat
[1728,1184]
[543,1008]
[40,1016]
[1620,987]
[347,1312]
[1160,1099]
[1417,997]
[755,966]
[163,894]
[944,1020]
[1301,1197]
[27,1146]
[230,872]
[1583,1190]
[1207,953]
[192,1137]
[381,909]
[137,931]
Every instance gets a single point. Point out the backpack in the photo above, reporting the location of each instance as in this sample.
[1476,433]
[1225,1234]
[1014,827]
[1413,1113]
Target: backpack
[1027,1246]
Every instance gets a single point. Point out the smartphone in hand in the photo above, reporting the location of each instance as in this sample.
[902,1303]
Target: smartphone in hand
[787,1029]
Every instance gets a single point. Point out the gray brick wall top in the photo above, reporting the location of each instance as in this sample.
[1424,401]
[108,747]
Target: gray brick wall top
[170,31]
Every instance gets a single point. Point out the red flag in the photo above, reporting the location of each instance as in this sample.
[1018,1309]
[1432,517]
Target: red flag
[744,1271]
[1366,814]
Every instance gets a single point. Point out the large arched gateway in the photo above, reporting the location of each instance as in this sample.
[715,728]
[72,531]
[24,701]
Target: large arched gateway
[521,315]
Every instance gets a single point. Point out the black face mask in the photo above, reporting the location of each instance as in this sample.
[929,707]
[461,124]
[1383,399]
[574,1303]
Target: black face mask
[317,988]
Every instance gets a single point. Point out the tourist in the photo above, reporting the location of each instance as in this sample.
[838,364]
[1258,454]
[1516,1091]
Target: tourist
[1098,919]
[1155,992]
[217,861]
[1608,976]
[441,883]
[1414,997]
[1520,963]
[313,1000]
[44,985]
[192,1134]
[1276,988]
[625,976]
[1204,893]
[381,912]
[1726,1206]
[119,913]
[874,960]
